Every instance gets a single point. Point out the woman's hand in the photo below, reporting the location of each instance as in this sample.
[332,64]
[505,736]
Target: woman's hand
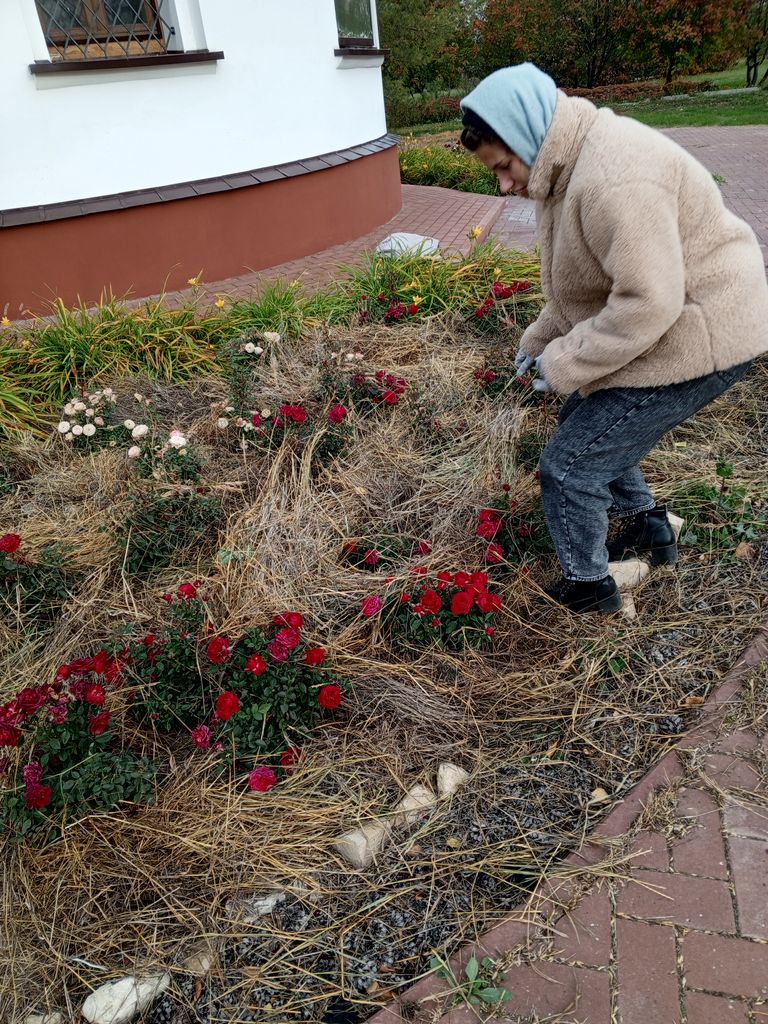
[523,362]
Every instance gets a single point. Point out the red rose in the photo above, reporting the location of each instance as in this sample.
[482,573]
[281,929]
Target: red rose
[490,631]
[289,759]
[95,694]
[424,548]
[489,514]
[289,637]
[187,591]
[9,543]
[329,697]
[371,605]
[256,420]
[405,598]
[485,603]
[506,488]
[413,309]
[461,603]
[390,398]
[490,376]
[262,779]
[256,665]
[9,735]
[488,529]
[380,375]
[32,773]
[31,699]
[289,619]
[315,657]
[445,577]
[494,554]
[63,673]
[461,579]
[227,705]
[337,414]
[167,597]
[37,796]
[100,662]
[432,601]
[113,673]
[371,557]
[58,713]
[201,737]
[99,723]
[478,581]
[278,651]
[218,650]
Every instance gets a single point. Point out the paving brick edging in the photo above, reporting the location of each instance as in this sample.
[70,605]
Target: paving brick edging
[560,889]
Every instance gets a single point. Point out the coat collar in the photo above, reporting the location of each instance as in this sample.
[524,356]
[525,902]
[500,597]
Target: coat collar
[560,150]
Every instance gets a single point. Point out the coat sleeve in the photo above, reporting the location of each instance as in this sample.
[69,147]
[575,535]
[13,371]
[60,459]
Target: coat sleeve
[538,335]
[633,232]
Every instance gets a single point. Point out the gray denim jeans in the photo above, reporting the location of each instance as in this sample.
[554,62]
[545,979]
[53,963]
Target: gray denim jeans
[590,467]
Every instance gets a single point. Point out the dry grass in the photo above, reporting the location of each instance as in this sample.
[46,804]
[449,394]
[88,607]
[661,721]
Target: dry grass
[545,718]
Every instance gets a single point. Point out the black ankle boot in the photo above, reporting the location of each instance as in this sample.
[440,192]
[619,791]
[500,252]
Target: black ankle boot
[595,596]
[647,533]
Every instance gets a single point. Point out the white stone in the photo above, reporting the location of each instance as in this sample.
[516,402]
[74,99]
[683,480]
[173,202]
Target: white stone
[629,609]
[676,523]
[120,1001]
[43,1018]
[251,908]
[199,963]
[417,799]
[360,846]
[450,778]
[629,574]
[404,242]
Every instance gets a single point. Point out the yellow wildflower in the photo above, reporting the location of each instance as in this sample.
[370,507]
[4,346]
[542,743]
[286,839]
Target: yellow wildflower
[194,281]
[476,231]
[5,322]
[295,284]
[417,299]
[220,303]
[497,272]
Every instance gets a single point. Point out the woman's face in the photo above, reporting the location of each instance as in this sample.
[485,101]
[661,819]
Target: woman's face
[512,173]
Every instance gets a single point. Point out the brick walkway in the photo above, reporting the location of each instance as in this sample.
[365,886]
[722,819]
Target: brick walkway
[662,916]
[738,153]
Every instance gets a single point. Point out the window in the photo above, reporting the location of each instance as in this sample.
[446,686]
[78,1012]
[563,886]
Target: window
[95,29]
[355,24]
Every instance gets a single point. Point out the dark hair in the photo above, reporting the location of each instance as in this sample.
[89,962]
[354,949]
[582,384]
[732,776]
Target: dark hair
[473,137]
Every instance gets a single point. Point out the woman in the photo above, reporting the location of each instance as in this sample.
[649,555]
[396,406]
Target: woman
[656,303]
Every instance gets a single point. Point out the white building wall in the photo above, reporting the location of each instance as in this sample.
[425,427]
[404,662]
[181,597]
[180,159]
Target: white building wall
[279,95]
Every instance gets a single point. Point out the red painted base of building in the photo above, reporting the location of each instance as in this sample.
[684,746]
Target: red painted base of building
[146,249]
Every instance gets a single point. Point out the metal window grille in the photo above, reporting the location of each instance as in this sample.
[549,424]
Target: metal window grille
[355,23]
[94,29]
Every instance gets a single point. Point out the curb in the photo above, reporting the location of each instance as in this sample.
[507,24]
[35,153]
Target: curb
[553,893]
[489,219]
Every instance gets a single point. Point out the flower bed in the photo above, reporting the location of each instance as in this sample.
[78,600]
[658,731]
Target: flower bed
[243,652]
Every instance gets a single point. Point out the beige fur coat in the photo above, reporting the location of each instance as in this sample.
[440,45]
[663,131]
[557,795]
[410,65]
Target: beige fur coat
[648,279]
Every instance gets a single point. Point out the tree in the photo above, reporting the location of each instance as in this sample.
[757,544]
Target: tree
[757,40]
[679,32]
[415,32]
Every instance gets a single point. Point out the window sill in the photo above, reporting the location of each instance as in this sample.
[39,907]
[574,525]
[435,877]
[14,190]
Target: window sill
[45,67]
[361,51]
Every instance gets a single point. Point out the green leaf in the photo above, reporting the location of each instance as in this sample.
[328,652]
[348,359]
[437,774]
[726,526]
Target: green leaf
[495,995]
[472,968]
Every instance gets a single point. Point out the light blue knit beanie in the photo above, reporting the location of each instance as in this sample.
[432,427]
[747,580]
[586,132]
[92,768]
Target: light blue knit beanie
[517,104]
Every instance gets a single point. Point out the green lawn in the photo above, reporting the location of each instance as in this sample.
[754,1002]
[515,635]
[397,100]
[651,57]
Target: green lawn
[705,109]
[733,78]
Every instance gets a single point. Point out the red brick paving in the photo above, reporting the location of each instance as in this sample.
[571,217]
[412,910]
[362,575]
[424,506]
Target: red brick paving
[674,929]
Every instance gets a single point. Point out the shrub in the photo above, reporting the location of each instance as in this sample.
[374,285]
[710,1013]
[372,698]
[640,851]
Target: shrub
[404,110]
[627,92]
[158,526]
[32,585]
[448,168]
[451,610]
[511,535]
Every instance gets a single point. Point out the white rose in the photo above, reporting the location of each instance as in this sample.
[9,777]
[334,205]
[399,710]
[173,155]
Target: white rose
[77,430]
[359,355]
[177,441]
[266,413]
[272,337]
[108,393]
[229,408]
[141,430]
[134,452]
[222,423]
[99,421]
[69,409]
[89,430]
[90,413]
[79,406]
[63,427]
[129,424]
[182,451]
[240,422]
[69,437]
[350,356]
[257,351]
[250,348]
